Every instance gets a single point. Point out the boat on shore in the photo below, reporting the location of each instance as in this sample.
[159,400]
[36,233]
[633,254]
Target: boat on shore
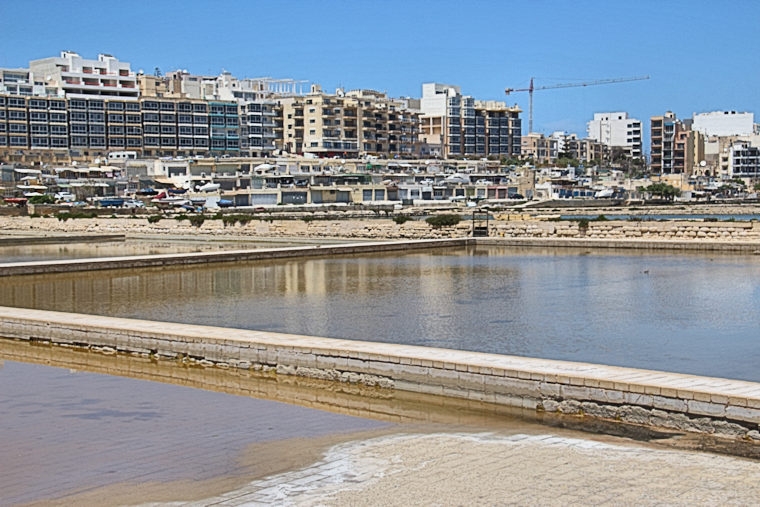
[111,202]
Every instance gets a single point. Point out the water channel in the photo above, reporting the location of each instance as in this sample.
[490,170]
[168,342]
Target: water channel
[685,312]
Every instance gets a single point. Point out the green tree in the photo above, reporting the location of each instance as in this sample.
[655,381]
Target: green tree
[663,190]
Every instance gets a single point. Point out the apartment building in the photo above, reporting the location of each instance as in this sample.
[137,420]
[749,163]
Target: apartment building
[463,126]
[617,132]
[74,76]
[348,124]
[91,127]
[744,160]
[583,150]
[724,123]
[542,149]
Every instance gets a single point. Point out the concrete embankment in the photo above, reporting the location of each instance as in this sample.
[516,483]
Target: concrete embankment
[692,234]
[654,399]
[159,260]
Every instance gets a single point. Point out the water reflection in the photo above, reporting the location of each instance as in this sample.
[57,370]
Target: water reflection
[69,250]
[687,312]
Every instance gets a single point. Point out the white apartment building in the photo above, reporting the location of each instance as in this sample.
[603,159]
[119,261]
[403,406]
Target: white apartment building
[617,130]
[744,160]
[75,76]
[724,123]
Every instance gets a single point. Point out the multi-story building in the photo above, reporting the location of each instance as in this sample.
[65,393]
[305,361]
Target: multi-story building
[92,127]
[724,123]
[618,132]
[463,126]
[359,122]
[583,150]
[74,76]
[543,150]
[744,161]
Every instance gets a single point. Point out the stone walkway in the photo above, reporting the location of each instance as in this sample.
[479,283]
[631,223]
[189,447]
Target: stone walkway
[492,469]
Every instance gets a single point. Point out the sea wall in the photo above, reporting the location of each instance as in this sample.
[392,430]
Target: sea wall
[654,399]
[509,226]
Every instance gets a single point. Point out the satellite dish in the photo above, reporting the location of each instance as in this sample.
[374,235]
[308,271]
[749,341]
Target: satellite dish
[702,163]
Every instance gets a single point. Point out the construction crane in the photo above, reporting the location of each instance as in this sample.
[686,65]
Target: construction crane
[532,88]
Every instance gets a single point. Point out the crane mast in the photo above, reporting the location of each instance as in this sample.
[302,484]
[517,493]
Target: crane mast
[532,88]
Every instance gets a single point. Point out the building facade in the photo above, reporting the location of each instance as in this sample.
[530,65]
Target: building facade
[616,130]
[724,123]
[463,126]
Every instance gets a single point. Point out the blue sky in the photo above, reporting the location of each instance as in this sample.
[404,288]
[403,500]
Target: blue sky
[701,55]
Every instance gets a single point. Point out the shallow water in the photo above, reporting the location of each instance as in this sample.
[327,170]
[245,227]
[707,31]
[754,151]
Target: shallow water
[689,313]
[69,250]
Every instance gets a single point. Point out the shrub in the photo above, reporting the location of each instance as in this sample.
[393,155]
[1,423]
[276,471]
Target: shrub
[400,219]
[583,224]
[41,199]
[197,220]
[153,219]
[62,217]
[443,220]
[601,218]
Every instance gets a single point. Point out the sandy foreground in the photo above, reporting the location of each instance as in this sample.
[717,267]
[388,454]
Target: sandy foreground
[554,467]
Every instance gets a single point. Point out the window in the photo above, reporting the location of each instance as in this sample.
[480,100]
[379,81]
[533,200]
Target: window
[57,142]
[150,105]
[97,117]
[97,129]
[58,130]
[115,118]
[17,102]
[16,115]
[116,130]
[37,116]
[185,118]
[134,118]
[18,141]
[38,104]
[78,128]
[167,106]
[150,117]
[152,129]
[17,127]
[132,106]
[168,129]
[134,131]
[58,105]
[168,118]
[39,128]
[57,117]
[95,105]
[116,106]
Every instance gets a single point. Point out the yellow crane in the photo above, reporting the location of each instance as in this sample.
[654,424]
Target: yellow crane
[532,88]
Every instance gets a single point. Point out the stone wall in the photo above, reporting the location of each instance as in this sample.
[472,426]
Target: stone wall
[385,228]
[656,399]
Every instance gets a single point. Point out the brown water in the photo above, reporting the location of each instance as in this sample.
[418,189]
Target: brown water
[688,313]
[128,247]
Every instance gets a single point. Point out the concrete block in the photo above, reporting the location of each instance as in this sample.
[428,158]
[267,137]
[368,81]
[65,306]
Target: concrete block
[743,414]
[705,408]
[641,400]
[574,392]
[669,404]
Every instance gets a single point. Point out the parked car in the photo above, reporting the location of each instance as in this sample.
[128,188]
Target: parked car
[65,197]
[134,203]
